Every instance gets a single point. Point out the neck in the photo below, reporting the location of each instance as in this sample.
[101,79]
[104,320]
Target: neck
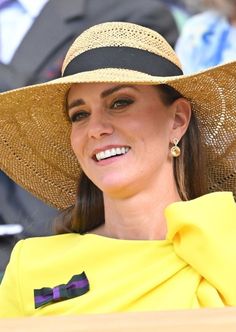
[140,216]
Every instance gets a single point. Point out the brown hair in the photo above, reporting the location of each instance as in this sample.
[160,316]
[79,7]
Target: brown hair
[190,166]
[189,171]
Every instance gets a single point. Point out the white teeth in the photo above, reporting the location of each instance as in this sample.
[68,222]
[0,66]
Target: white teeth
[107,154]
[118,151]
[111,152]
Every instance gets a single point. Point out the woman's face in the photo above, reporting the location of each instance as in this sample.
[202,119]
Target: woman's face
[120,135]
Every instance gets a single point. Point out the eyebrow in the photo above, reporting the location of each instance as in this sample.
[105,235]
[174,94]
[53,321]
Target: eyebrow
[76,102]
[106,93]
[116,88]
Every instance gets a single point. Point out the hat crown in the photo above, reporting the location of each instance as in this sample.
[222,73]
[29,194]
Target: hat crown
[121,34]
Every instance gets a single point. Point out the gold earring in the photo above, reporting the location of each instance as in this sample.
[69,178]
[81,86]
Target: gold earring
[175,150]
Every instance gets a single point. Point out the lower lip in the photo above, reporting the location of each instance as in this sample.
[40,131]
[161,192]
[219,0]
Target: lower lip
[111,160]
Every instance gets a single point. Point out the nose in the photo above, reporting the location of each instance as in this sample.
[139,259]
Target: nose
[99,126]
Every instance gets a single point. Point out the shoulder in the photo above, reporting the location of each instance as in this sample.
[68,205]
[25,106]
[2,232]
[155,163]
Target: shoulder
[36,263]
[41,246]
[203,233]
[48,240]
[212,203]
[31,256]
[206,213]
[209,201]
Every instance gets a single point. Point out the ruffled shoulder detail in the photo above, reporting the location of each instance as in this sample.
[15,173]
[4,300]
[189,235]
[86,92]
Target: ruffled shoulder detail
[203,233]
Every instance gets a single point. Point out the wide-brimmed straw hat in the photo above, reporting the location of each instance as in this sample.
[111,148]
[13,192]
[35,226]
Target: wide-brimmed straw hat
[35,129]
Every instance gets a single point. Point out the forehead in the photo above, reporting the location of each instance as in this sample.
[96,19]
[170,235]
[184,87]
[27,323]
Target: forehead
[105,89]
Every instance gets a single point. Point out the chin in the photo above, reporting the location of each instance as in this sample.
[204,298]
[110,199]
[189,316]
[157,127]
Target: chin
[114,186]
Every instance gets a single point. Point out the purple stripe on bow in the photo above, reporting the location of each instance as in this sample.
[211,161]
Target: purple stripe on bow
[77,286]
[56,293]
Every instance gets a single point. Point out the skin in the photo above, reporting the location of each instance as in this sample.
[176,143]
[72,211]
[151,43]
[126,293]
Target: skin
[138,185]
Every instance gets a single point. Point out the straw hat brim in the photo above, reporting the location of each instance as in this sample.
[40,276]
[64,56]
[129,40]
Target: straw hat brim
[35,129]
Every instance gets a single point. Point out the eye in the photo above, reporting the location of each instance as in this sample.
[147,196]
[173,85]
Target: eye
[78,116]
[121,103]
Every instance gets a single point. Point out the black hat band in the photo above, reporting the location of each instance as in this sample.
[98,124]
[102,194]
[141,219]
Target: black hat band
[122,57]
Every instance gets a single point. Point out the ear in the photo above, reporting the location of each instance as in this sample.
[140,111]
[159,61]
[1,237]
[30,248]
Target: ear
[181,118]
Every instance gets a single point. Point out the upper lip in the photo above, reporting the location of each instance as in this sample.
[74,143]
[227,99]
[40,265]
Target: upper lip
[107,147]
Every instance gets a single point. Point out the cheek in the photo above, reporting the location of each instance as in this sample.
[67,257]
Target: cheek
[156,124]
[158,132]
[76,142]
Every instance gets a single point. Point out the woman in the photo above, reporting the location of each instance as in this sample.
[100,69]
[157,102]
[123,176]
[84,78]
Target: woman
[144,232]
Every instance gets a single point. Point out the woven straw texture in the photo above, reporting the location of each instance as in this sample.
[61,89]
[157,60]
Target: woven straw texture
[35,129]
[121,34]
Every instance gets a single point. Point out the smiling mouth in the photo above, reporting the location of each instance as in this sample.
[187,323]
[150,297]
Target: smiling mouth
[113,152]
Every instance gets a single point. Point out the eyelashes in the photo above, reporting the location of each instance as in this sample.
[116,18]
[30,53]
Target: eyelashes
[78,116]
[121,103]
[118,105]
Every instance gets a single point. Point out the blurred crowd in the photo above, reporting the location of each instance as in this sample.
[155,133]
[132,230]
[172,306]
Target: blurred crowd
[209,37]
[34,36]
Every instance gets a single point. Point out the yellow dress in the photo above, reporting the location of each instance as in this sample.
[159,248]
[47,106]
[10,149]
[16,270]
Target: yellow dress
[194,267]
